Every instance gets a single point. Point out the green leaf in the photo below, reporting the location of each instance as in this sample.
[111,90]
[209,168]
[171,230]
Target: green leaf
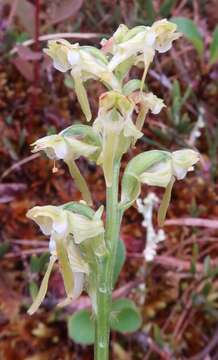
[120,260]
[125,316]
[191,32]
[166,7]
[122,303]
[214,47]
[37,263]
[81,327]
[193,266]
[207,266]
[149,7]
[207,289]
[4,248]
[33,289]
[157,336]
[195,250]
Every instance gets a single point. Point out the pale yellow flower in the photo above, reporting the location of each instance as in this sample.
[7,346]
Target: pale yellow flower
[115,126]
[68,148]
[85,62]
[66,229]
[63,147]
[176,164]
[143,103]
[156,168]
[140,43]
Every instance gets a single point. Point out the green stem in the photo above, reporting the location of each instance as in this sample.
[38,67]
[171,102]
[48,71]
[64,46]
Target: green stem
[105,270]
[79,181]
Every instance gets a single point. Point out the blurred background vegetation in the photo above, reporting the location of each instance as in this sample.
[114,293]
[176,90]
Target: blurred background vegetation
[177,295]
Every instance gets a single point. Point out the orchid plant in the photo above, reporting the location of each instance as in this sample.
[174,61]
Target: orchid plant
[84,247]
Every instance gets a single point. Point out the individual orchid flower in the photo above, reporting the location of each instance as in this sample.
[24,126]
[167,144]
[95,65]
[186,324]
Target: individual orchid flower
[114,124]
[143,103]
[165,34]
[62,227]
[156,168]
[85,62]
[140,43]
[68,148]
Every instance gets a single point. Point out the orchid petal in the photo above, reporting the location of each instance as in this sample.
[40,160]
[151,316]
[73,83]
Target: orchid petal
[78,285]
[43,288]
[66,271]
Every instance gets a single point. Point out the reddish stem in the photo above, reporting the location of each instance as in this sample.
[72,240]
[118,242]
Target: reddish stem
[36,40]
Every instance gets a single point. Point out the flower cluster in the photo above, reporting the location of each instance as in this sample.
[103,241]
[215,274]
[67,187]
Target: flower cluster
[76,232]
[140,43]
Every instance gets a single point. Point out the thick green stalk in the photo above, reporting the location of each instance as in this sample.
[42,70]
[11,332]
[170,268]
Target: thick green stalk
[105,270]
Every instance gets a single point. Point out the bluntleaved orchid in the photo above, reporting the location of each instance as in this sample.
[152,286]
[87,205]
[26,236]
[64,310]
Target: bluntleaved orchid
[86,253]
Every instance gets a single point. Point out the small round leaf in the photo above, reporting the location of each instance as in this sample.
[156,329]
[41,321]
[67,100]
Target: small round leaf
[125,316]
[81,328]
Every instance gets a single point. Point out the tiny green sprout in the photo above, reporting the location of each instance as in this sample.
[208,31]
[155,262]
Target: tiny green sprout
[87,249]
